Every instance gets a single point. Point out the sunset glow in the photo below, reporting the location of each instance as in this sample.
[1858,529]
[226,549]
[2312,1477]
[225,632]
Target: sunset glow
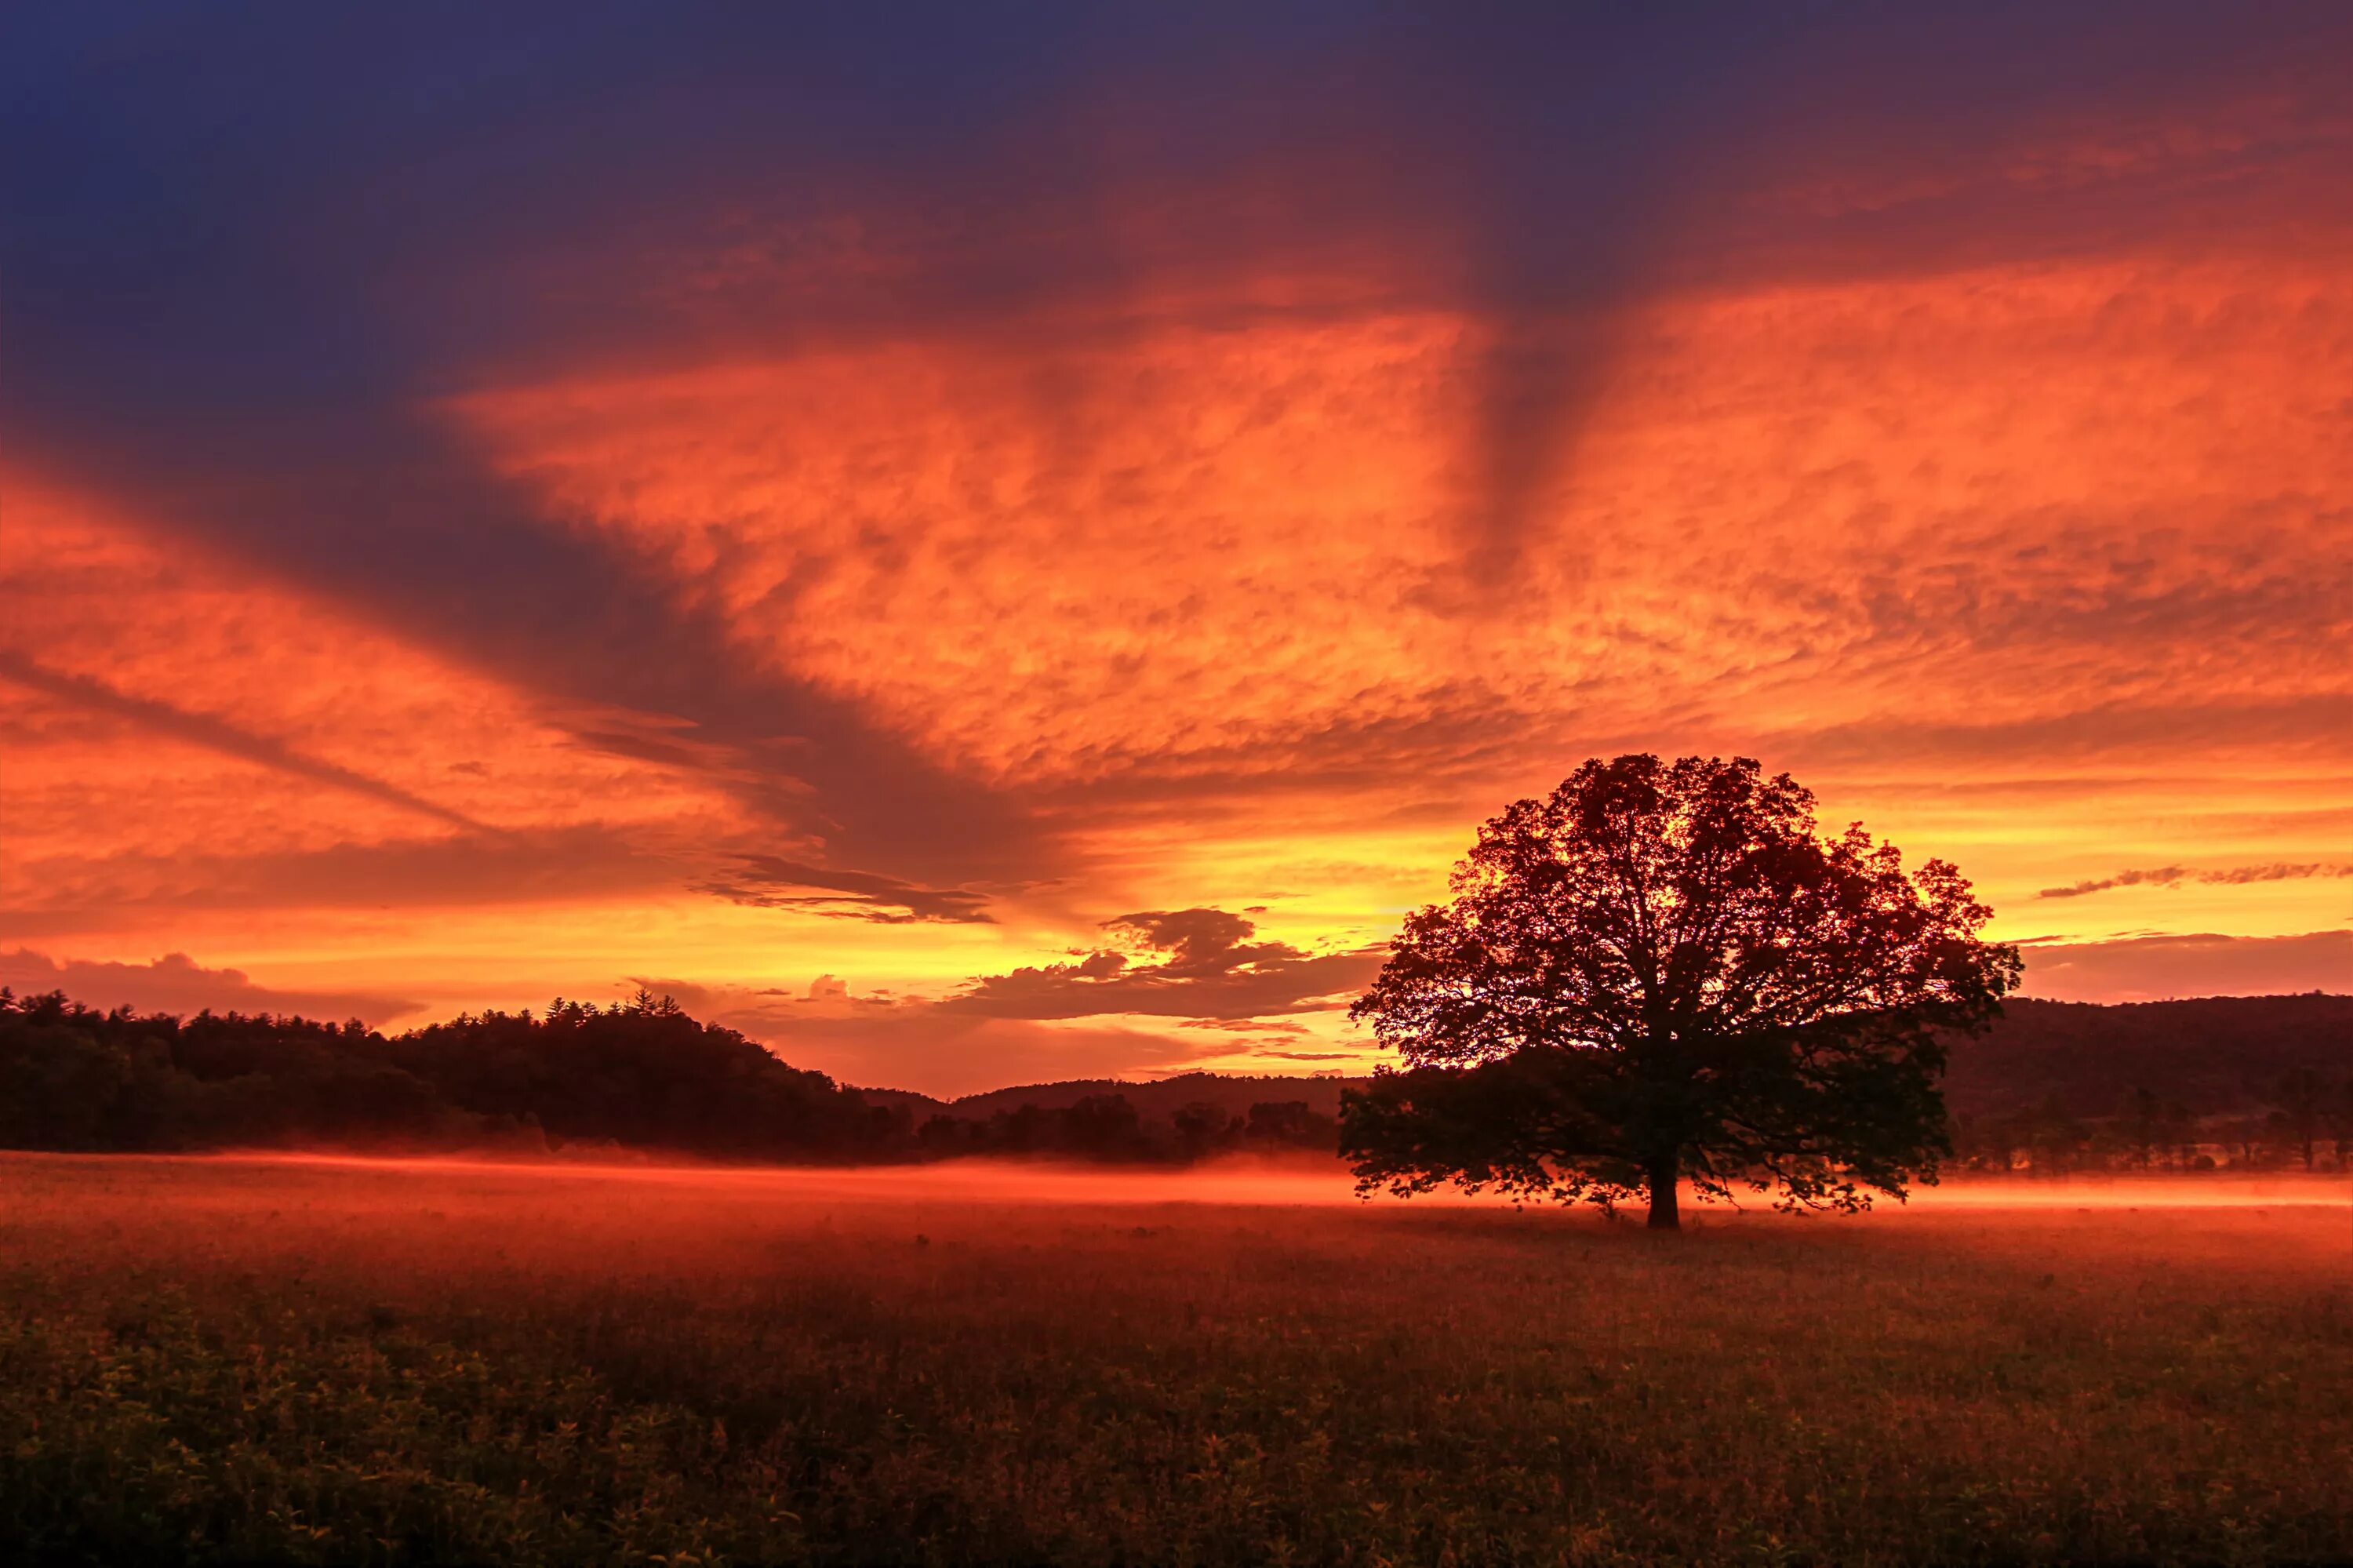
[1007,578]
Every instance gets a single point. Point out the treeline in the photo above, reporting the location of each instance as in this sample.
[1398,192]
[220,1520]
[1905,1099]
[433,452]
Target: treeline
[1108,1127]
[2261,1083]
[2246,1083]
[640,1075]
[2309,1127]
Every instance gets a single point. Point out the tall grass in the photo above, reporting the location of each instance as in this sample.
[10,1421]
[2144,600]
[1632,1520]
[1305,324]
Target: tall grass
[391,1364]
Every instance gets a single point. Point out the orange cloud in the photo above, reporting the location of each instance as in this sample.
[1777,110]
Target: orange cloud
[1911,528]
[2157,967]
[743,564]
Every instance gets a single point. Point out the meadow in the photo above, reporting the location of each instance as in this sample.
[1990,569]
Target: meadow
[325,1361]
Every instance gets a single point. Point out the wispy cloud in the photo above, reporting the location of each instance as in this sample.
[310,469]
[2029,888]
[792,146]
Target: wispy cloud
[2174,875]
[1206,968]
[769,881]
[219,735]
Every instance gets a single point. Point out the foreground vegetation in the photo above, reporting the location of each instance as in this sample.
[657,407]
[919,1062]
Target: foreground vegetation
[329,1363]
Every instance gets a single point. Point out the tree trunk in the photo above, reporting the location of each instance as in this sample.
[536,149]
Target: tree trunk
[1663,1217]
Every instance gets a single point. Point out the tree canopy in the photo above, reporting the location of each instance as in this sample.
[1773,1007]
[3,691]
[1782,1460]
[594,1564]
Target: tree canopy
[1662,972]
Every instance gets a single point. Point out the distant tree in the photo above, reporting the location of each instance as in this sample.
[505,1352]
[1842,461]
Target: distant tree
[646,1004]
[2340,1121]
[941,1134]
[1027,1129]
[2303,1097]
[2179,1133]
[2055,1137]
[1660,970]
[1288,1124]
[1200,1128]
[2141,1128]
[1101,1125]
[1985,1143]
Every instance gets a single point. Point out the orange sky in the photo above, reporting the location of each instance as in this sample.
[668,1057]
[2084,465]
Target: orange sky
[778,607]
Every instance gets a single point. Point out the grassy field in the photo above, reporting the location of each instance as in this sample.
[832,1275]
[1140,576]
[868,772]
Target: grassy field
[341,1362]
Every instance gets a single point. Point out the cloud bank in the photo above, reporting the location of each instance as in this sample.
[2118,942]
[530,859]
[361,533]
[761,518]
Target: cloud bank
[177,983]
[2160,968]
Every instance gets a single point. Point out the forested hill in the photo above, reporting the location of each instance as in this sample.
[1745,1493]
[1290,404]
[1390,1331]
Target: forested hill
[1155,1097]
[2217,1055]
[2220,1055]
[646,1076]
[642,1076]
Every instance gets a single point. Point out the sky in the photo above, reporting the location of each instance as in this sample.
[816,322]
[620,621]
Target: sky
[988,544]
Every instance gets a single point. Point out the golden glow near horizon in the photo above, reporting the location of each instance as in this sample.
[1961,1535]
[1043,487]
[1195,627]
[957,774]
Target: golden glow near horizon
[2042,564]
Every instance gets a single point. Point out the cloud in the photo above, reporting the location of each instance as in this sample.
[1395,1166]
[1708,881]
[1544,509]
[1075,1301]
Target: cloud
[916,1044]
[2274,873]
[767,882]
[2163,876]
[2174,875]
[177,983]
[958,493]
[1041,1024]
[2071,734]
[2153,969]
[551,864]
[218,735]
[1249,1025]
[1198,941]
[1210,970]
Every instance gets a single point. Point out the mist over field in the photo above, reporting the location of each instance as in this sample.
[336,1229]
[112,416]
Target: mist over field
[1239,1181]
[357,1359]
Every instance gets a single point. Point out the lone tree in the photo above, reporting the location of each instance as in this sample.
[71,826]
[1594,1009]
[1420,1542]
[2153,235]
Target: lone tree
[1661,972]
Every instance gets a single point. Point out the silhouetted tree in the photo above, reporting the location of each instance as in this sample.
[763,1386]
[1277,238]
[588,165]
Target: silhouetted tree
[2303,1106]
[2054,1136]
[2181,1133]
[2140,1129]
[1025,1130]
[1102,1127]
[2340,1121]
[1200,1128]
[1288,1124]
[1660,970]
[946,1135]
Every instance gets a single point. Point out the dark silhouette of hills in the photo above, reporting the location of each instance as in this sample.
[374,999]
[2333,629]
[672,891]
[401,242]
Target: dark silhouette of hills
[645,1076]
[1151,1097]
[640,1076]
[2217,1054]
[2223,1055]
[2224,1079]
[2238,1081]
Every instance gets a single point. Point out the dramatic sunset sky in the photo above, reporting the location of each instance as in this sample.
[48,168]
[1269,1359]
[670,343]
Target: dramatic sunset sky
[980,544]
